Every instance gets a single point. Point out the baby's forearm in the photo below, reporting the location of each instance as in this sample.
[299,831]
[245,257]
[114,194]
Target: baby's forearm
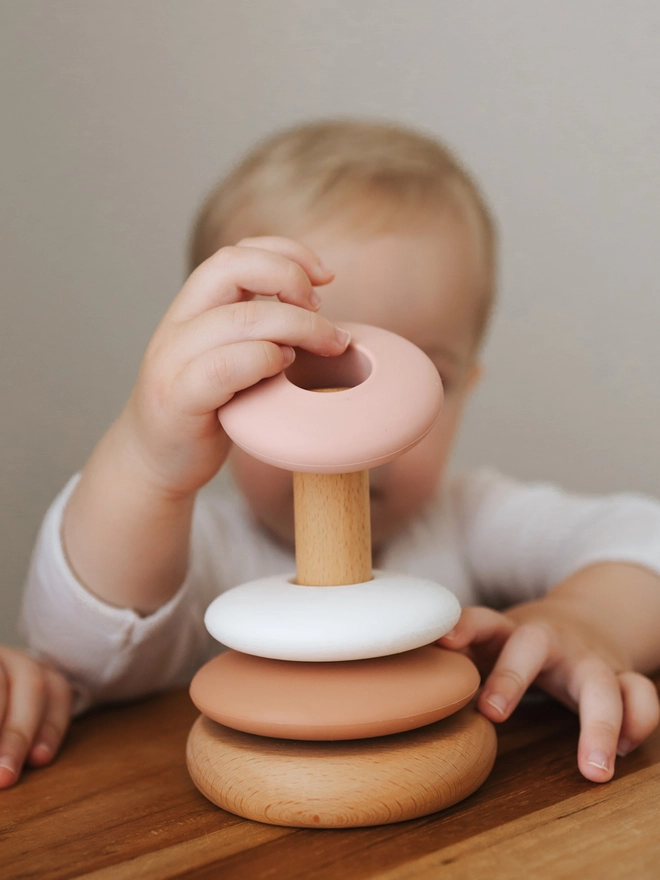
[127,525]
[620,601]
[124,537]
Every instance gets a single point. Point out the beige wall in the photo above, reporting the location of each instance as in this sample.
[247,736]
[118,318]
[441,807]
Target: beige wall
[117,115]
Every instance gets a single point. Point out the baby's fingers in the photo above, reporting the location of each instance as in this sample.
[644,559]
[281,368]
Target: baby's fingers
[277,267]
[641,711]
[478,626]
[245,321]
[212,379]
[601,713]
[295,251]
[23,700]
[55,720]
[522,658]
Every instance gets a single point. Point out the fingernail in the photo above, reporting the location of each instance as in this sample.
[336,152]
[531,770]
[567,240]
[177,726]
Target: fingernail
[343,336]
[624,747]
[289,354]
[450,636]
[498,702]
[315,299]
[41,753]
[324,268]
[8,770]
[598,758]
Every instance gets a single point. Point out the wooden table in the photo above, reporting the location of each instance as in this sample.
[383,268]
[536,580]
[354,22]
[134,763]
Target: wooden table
[118,803]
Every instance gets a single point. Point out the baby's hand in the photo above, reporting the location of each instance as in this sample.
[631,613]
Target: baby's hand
[215,340]
[543,644]
[35,708]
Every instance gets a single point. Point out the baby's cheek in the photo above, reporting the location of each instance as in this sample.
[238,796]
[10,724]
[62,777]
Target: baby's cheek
[413,480]
[264,486]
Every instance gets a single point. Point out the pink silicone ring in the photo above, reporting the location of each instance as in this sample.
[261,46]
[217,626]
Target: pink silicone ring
[395,399]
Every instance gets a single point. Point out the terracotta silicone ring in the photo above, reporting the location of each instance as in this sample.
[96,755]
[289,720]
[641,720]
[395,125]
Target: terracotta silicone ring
[332,701]
[392,398]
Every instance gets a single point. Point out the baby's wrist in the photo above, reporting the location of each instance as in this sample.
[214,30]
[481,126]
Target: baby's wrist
[156,465]
[176,456]
[123,465]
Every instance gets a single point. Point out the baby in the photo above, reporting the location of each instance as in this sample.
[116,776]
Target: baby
[333,221]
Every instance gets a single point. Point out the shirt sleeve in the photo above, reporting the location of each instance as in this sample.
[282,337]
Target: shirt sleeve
[106,652]
[520,539]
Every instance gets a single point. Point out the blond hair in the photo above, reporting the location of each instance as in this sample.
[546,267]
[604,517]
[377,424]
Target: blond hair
[374,176]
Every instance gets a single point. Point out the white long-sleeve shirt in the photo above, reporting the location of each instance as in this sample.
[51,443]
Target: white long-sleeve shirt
[489,539]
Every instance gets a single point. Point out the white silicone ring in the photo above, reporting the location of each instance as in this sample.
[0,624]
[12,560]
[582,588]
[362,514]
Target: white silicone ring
[272,617]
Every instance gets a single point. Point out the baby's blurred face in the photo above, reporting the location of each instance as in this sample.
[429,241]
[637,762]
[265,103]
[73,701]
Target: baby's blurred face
[420,284]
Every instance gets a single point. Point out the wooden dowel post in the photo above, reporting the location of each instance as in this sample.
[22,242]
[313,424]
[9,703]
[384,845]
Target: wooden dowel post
[333,529]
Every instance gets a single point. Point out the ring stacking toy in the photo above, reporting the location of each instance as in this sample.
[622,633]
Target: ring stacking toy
[334,706]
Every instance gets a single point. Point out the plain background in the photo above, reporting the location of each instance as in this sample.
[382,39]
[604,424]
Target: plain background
[118,115]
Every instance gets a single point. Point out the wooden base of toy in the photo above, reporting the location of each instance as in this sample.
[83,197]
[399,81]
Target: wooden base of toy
[342,784]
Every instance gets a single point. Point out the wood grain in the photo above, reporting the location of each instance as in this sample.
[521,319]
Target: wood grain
[118,801]
[333,528]
[351,783]
[611,821]
[190,854]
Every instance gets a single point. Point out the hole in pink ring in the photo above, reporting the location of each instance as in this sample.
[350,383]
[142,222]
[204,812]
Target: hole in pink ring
[313,372]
